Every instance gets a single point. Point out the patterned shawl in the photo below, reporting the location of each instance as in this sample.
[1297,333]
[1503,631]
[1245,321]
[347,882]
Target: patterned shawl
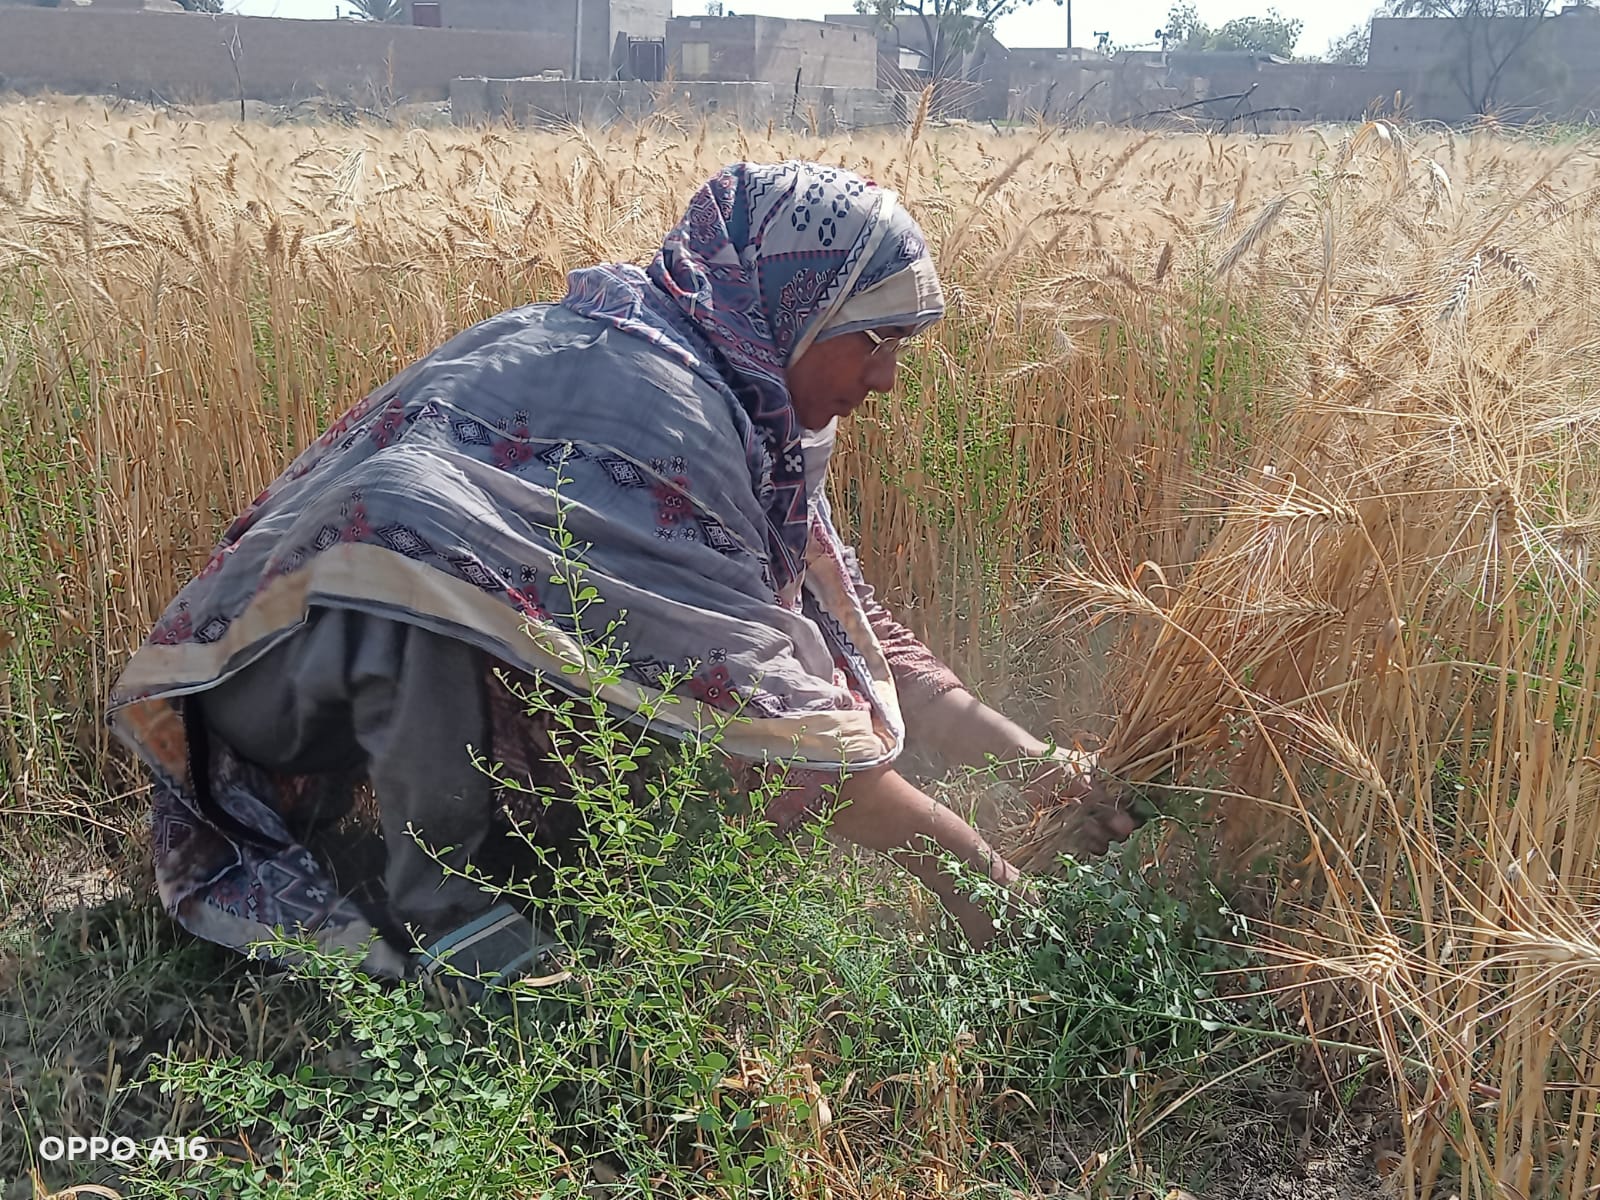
[748,279]
[654,402]
[645,421]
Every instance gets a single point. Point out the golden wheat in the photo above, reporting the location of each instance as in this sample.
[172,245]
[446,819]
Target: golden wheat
[1303,515]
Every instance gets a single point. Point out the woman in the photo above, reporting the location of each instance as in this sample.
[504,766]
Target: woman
[351,622]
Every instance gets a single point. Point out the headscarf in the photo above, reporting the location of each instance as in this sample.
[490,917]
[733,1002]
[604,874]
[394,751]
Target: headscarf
[766,259]
[915,290]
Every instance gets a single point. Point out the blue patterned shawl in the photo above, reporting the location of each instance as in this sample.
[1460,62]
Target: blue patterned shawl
[647,416]
[748,279]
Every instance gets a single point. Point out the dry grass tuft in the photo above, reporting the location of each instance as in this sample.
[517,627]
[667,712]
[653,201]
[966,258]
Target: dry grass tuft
[1384,656]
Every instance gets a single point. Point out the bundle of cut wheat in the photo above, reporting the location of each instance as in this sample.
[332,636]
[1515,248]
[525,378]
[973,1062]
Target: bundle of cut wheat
[1386,659]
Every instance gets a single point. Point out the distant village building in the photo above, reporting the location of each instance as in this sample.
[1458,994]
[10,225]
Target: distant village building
[599,42]
[1049,80]
[848,66]
[143,50]
[139,5]
[974,83]
[166,6]
[1517,67]
[785,53]
[1570,38]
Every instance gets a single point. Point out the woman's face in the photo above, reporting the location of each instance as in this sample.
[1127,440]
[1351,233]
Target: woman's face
[834,377]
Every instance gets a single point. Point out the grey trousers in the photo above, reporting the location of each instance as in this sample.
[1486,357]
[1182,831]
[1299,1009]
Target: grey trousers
[355,693]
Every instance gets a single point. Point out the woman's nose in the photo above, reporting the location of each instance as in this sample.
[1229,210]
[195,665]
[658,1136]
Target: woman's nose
[880,373]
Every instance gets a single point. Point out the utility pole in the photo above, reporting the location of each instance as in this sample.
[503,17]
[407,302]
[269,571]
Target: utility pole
[1069,29]
[577,41]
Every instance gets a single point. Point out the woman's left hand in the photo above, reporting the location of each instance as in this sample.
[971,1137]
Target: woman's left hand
[966,732]
[1066,783]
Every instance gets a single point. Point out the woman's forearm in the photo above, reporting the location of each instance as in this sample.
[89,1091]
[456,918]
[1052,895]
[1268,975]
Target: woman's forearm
[881,810]
[964,732]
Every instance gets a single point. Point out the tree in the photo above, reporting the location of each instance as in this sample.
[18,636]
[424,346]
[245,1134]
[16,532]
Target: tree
[201,6]
[1185,30]
[1272,34]
[382,11]
[1350,48]
[951,29]
[1490,40]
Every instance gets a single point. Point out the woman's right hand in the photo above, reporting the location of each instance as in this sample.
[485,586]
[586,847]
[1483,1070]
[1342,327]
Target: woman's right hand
[881,810]
[1068,785]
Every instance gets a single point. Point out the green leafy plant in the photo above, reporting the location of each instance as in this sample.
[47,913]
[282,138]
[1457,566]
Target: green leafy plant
[724,991]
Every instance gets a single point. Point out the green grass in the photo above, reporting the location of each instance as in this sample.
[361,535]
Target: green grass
[725,984]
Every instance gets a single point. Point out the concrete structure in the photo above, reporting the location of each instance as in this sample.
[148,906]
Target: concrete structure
[1550,68]
[1571,37]
[595,45]
[1557,75]
[133,48]
[1254,91]
[977,86]
[559,102]
[1049,80]
[772,50]
[1236,91]
[191,57]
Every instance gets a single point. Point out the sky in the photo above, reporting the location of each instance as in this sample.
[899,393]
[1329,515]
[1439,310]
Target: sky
[1131,23]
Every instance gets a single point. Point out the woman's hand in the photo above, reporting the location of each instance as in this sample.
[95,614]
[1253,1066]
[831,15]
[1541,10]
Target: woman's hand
[1065,782]
[880,810]
[969,733]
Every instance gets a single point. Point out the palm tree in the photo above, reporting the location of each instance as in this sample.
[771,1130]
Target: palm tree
[382,11]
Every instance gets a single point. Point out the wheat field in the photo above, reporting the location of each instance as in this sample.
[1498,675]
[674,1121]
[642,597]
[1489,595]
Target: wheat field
[1267,464]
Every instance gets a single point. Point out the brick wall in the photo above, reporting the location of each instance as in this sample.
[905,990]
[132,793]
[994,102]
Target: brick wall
[640,18]
[1553,70]
[184,56]
[1130,89]
[555,19]
[771,50]
[825,55]
[712,48]
[604,21]
[1320,91]
[1046,80]
[750,104]
[1573,38]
